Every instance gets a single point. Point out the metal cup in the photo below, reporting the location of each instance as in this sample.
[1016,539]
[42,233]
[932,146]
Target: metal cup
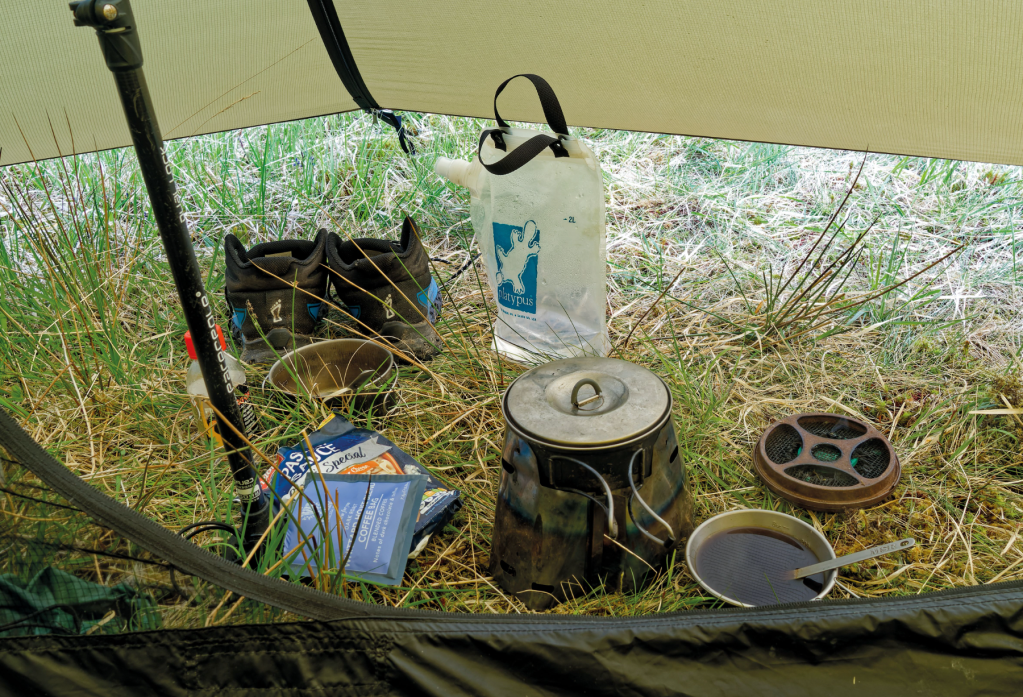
[338,371]
[785,524]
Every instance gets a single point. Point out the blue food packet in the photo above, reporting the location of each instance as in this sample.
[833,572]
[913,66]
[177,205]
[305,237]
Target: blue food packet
[341,448]
[364,520]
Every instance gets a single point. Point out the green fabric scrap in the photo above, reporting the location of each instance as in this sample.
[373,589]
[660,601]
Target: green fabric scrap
[54,601]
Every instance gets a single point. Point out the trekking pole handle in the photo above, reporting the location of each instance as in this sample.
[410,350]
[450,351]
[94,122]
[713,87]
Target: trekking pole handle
[115,26]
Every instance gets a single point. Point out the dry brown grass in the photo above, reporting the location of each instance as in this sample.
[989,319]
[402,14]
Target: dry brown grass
[125,426]
[959,495]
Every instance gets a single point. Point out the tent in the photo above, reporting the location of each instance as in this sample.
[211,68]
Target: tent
[936,79]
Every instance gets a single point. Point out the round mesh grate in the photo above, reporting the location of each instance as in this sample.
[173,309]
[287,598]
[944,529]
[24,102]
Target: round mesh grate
[821,476]
[784,444]
[827,462]
[871,458]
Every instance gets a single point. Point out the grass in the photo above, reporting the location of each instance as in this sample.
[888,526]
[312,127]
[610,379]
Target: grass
[708,254]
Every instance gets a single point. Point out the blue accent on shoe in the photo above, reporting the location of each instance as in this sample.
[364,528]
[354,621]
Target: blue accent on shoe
[431,301]
[314,310]
[240,313]
[355,311]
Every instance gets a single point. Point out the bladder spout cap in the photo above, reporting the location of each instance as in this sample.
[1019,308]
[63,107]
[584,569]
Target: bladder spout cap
[455,171]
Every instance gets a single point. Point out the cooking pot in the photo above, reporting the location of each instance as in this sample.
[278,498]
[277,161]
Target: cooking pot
[593,490]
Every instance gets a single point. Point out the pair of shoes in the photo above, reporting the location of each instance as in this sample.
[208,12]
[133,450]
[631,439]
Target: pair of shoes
[269,316]
[387,287]
[277,291]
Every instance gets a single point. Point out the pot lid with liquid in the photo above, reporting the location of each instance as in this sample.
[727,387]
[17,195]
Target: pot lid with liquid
[586,402]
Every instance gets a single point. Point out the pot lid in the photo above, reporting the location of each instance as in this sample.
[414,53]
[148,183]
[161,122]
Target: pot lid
[586,402]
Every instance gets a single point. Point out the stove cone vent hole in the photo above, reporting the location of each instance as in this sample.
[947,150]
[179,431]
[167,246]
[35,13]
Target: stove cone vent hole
[827,462]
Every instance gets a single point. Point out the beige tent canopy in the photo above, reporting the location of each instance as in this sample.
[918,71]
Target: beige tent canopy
[940,78]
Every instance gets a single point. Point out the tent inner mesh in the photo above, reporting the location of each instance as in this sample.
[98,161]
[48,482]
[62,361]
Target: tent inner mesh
[61,573]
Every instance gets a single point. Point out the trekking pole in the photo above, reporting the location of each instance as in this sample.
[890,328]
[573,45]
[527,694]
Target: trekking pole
[118,37]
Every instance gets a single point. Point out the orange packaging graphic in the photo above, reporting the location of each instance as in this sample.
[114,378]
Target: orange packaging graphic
[339,448]
[384,464]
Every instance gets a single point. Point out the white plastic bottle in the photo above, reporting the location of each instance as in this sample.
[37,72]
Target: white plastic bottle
[542,234]
[200,396]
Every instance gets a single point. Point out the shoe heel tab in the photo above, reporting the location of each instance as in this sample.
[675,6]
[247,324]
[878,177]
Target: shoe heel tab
[322,237]
[318,254]
[410,234]
[235,249]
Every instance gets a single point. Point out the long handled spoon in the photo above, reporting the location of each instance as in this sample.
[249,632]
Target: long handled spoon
[853,558]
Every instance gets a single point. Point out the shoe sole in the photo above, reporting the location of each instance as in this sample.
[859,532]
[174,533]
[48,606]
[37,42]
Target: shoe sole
[421,340]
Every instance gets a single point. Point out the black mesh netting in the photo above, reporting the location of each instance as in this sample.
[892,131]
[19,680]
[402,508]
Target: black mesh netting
[870,458]
[821,476]
[783,444]
[834,427]
[63,574]
[826,452]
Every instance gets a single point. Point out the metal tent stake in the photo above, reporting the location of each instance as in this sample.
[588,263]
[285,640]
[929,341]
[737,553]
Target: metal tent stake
[118,37]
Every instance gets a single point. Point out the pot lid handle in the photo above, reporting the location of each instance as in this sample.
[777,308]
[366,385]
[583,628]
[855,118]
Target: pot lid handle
[575,392]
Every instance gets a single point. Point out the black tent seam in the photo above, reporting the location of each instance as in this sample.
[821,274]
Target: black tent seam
[318,605]
[174,549]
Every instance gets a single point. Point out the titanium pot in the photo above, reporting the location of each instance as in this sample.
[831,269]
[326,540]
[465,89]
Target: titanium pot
[593,491]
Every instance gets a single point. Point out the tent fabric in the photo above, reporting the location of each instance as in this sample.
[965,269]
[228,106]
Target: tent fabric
[938,79]
[211,66]
[964,642]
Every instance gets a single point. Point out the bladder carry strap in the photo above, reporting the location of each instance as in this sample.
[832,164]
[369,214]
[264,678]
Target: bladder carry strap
[535,145]
[551,107]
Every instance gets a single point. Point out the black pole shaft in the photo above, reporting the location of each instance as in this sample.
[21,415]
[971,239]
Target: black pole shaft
[121,48]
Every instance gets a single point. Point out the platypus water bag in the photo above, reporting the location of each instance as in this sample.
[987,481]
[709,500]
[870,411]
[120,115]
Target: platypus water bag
[538,212]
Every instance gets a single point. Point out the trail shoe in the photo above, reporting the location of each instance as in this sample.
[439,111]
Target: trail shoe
[387,287]
[270,316]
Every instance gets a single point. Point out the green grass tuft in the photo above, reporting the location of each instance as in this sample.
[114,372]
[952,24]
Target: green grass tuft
[907,314]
